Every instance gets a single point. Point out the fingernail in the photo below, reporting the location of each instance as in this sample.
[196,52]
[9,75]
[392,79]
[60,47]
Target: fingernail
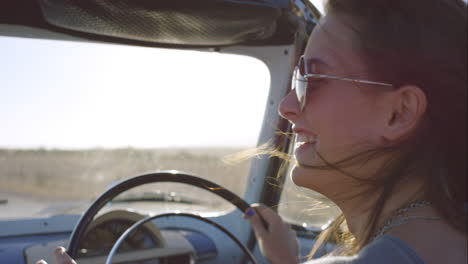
[250,212]
[41,262]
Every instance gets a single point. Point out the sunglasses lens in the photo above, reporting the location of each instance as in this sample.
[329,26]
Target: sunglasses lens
[299,84]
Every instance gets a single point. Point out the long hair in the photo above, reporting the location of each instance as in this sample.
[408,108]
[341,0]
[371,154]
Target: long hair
[423,43]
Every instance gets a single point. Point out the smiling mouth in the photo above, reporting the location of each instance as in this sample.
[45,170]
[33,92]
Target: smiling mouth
[304,143]
[304,139]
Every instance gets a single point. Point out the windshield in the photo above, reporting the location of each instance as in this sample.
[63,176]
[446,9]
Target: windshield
[78,116]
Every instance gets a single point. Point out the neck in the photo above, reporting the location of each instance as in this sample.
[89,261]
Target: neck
[358,210]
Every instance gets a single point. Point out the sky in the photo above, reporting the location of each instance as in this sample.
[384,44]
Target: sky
[61,94]
[71,95]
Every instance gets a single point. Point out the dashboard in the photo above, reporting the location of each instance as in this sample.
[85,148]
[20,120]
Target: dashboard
[148,244]
[107,228]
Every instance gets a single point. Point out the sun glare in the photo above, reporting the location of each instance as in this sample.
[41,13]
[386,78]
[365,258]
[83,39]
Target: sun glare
[58,94]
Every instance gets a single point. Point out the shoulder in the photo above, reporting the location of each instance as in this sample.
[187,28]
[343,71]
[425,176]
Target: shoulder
[385,250]
[389,249]
[434,241]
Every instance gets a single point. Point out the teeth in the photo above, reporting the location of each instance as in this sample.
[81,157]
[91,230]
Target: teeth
[304,139]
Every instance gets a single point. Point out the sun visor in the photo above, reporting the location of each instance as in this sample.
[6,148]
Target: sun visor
[179,22]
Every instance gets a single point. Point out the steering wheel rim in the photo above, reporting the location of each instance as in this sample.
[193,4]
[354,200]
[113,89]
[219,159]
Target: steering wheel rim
[143,221]
[163,176]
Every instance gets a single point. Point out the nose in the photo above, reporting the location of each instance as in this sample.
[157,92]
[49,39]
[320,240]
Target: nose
[289,108]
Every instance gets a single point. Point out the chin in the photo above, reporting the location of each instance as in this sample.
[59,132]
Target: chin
[321,181]
[302,177]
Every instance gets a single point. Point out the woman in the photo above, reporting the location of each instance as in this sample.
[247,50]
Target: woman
[379,112]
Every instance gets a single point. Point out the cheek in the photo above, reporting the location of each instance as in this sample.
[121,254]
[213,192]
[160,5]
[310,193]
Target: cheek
[343,121]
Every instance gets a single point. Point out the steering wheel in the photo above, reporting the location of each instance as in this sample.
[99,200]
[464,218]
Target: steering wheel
[164,176]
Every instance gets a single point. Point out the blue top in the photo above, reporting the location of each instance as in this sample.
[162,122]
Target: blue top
[385,250]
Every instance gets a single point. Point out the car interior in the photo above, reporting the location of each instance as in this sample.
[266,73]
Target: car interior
[117,226]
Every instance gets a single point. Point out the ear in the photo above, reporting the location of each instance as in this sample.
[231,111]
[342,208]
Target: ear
[406,107]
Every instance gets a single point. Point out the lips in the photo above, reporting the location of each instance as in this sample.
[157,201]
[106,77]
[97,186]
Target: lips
[305,146]
[304,137]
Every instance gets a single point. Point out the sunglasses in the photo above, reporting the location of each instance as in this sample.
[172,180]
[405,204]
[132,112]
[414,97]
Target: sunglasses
[301,75]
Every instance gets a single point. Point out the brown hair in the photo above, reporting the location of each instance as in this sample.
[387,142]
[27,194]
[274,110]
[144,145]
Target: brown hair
[423,43]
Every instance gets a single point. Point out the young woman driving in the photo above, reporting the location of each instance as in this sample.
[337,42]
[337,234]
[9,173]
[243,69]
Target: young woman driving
[378,107]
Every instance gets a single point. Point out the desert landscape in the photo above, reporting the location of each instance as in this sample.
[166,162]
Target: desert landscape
[83,174]
[68,175]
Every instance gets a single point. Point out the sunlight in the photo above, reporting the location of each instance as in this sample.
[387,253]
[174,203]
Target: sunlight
[59,94]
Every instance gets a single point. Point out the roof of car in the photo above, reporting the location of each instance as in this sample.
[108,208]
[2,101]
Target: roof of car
[207,23]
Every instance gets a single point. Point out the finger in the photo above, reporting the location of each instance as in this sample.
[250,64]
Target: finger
[61,256]
[257,225]
[270,216]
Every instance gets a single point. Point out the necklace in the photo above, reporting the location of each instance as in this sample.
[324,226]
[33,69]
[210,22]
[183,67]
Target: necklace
[401,217]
